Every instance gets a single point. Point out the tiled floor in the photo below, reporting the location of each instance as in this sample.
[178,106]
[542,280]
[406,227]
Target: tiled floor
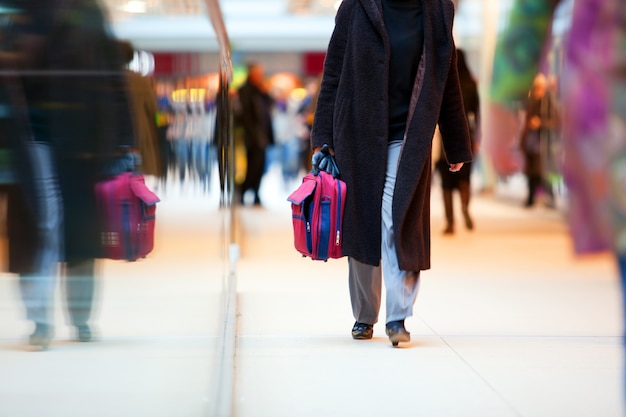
[508,323]
[157,321]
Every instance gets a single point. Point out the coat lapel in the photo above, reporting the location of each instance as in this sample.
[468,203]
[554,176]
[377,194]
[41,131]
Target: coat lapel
[437,44]
[374,10]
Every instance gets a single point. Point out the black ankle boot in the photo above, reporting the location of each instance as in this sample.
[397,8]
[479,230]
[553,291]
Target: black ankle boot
[397,333]
[362,331]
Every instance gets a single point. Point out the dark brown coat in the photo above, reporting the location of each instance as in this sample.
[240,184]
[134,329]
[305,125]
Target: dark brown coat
[352,117]
[143,101]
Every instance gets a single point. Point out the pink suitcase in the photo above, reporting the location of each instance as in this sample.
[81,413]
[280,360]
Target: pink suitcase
[127,211]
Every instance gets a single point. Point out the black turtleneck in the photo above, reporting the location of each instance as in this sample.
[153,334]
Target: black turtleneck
[405,27]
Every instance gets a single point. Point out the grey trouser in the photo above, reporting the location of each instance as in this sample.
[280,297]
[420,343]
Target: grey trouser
[79,290]
[365,281]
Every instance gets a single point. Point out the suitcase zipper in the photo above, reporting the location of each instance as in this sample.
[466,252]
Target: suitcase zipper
[338,236]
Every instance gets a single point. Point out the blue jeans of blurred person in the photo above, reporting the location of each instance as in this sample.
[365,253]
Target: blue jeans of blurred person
[201,157]
[290,159]
[37,287]
[182,151]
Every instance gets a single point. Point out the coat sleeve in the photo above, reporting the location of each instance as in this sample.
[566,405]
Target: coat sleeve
[322,130]
[452,120]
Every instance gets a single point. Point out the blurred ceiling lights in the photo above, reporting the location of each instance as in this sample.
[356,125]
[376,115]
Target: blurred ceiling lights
[313,6]
[278,25]
[134,6]
[127,8]
[264,25]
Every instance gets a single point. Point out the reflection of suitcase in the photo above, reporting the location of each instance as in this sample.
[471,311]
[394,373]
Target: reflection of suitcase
[127,214]
[317,212]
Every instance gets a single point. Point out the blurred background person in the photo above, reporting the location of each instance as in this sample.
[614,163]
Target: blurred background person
[306,112]
[163,120]
[144,102]
[71,91]
[460,181]
[540,120]
[255,117]
[286,140]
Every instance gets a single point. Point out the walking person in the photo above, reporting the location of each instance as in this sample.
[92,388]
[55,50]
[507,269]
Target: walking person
[389,78]
[71,91]
[144,108]
[460,181]
[255,116]
[540,120]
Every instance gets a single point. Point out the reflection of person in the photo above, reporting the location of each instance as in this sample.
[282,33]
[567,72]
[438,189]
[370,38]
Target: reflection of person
[461,180]
[256,119]
[75,119]
[378,111]
[540,121]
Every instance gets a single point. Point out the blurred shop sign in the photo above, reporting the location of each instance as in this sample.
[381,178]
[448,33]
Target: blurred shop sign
[313,63]
[182,63]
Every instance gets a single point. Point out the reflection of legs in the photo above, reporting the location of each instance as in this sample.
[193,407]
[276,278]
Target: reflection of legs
[37,287]
[80,288]
[37,292]
[464,190]
[448,207]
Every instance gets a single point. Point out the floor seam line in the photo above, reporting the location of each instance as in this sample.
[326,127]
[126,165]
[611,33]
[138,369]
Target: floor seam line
[482,378]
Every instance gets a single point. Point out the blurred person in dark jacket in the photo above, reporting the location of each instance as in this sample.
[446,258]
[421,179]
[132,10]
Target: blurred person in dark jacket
[255,116]
[143,99]
[390,76]
[70,114]
[539,122]
[460,181]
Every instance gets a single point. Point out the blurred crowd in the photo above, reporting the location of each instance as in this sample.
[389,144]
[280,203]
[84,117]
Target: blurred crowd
[272,116]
